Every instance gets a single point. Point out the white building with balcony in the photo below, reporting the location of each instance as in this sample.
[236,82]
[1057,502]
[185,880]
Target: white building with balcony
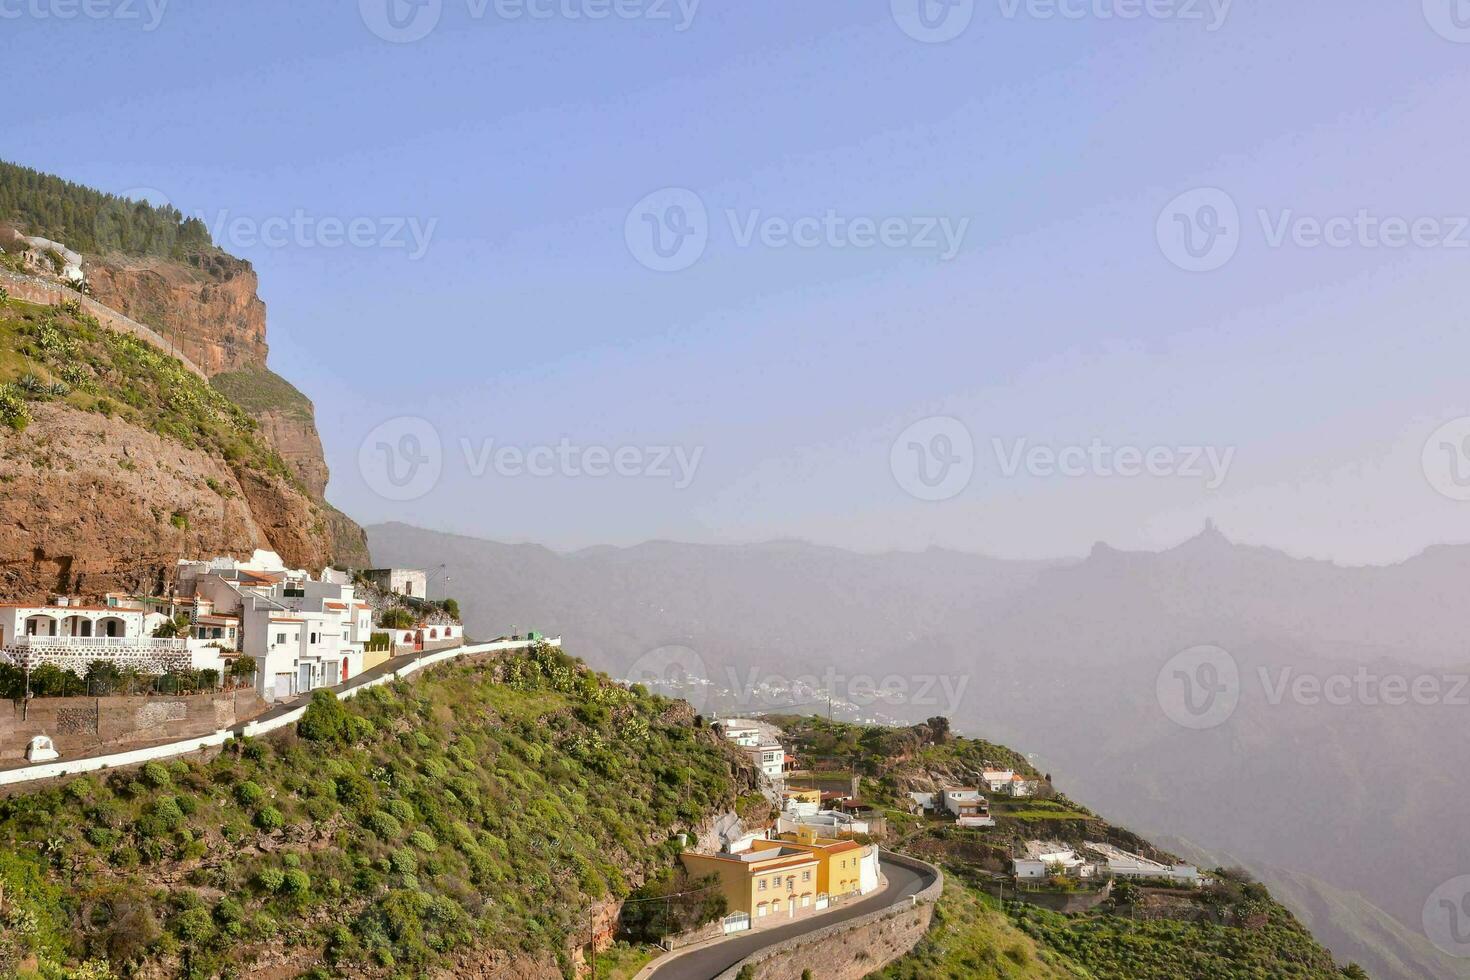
[70,634]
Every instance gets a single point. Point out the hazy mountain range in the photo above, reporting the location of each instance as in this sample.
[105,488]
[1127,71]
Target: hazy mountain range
[1343,789]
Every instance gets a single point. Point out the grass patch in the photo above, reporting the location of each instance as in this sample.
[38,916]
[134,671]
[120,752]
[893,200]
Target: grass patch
[260,390]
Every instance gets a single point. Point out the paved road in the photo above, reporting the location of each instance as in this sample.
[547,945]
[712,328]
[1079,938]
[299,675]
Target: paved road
[711,961]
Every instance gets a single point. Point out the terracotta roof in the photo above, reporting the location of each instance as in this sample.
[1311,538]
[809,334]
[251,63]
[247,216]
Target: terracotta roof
[283,620]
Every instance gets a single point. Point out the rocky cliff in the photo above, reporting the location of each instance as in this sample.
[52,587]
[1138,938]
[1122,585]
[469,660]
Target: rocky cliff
[127,463]
[206,305]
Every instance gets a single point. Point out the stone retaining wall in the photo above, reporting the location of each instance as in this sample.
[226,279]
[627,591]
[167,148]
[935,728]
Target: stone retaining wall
[78,726]
[851,950]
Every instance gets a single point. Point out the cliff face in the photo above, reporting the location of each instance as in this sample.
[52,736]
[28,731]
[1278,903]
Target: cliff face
[209,307]
[91,504]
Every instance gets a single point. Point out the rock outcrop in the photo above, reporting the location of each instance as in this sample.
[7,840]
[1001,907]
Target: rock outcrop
[209,308]
[90,504]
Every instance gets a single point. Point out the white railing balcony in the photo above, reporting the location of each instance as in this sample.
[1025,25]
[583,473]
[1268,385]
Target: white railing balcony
[62,644]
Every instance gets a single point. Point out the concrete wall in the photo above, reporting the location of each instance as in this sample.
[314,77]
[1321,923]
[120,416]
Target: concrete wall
[81,725]
[852,950]
[65,767]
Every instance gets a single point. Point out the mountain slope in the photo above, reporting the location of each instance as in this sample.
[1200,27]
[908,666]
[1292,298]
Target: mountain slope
[1065,657]
[475,820]
[159,268]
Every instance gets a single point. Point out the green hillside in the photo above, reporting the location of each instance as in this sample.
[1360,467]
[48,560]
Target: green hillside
[1146,930]
[477,807]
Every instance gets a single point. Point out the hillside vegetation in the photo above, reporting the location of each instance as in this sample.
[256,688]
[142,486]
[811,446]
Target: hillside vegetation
[60,353]
[1231,928]
[480,807]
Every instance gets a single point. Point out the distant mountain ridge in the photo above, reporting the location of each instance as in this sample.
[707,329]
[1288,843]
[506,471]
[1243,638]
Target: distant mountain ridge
[1063,657]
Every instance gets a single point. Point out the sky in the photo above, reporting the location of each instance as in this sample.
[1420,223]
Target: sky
[1007,276]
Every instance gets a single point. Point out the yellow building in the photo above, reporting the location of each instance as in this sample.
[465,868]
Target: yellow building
[776,880]
[839,867]
[803,795]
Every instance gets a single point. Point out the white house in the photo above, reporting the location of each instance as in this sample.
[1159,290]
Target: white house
[770,756]
[997,780]
[1050,855]
[1125,864]
[411,582]
[302,633]
[70,634]
[967,806]
[925,801]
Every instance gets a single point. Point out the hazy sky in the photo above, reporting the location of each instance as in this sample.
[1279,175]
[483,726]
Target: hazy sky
[991,237]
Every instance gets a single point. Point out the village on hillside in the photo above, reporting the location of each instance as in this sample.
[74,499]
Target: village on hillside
[1006,824]
[245,627]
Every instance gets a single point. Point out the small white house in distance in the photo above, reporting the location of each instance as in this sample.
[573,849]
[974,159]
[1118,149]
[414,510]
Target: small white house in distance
[925,801]
[967,806]
[411,582]
[741,733]
[997,780]
[1049,855]
[1021,786]
[771,758]
[1125,864]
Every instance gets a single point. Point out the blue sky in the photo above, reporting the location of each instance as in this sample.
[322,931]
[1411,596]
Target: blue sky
[520,146]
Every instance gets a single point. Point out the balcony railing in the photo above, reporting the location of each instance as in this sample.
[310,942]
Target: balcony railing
[62,644]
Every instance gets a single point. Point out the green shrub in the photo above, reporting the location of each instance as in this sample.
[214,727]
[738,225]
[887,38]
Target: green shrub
[249,793]
[423,841]
[194,926]
[268,819]
[403,862]
[155,774]
[295,882]
[384,824]
[270,879]
[402,810]
[325,719]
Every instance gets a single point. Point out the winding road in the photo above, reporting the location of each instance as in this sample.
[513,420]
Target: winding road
[710,961]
